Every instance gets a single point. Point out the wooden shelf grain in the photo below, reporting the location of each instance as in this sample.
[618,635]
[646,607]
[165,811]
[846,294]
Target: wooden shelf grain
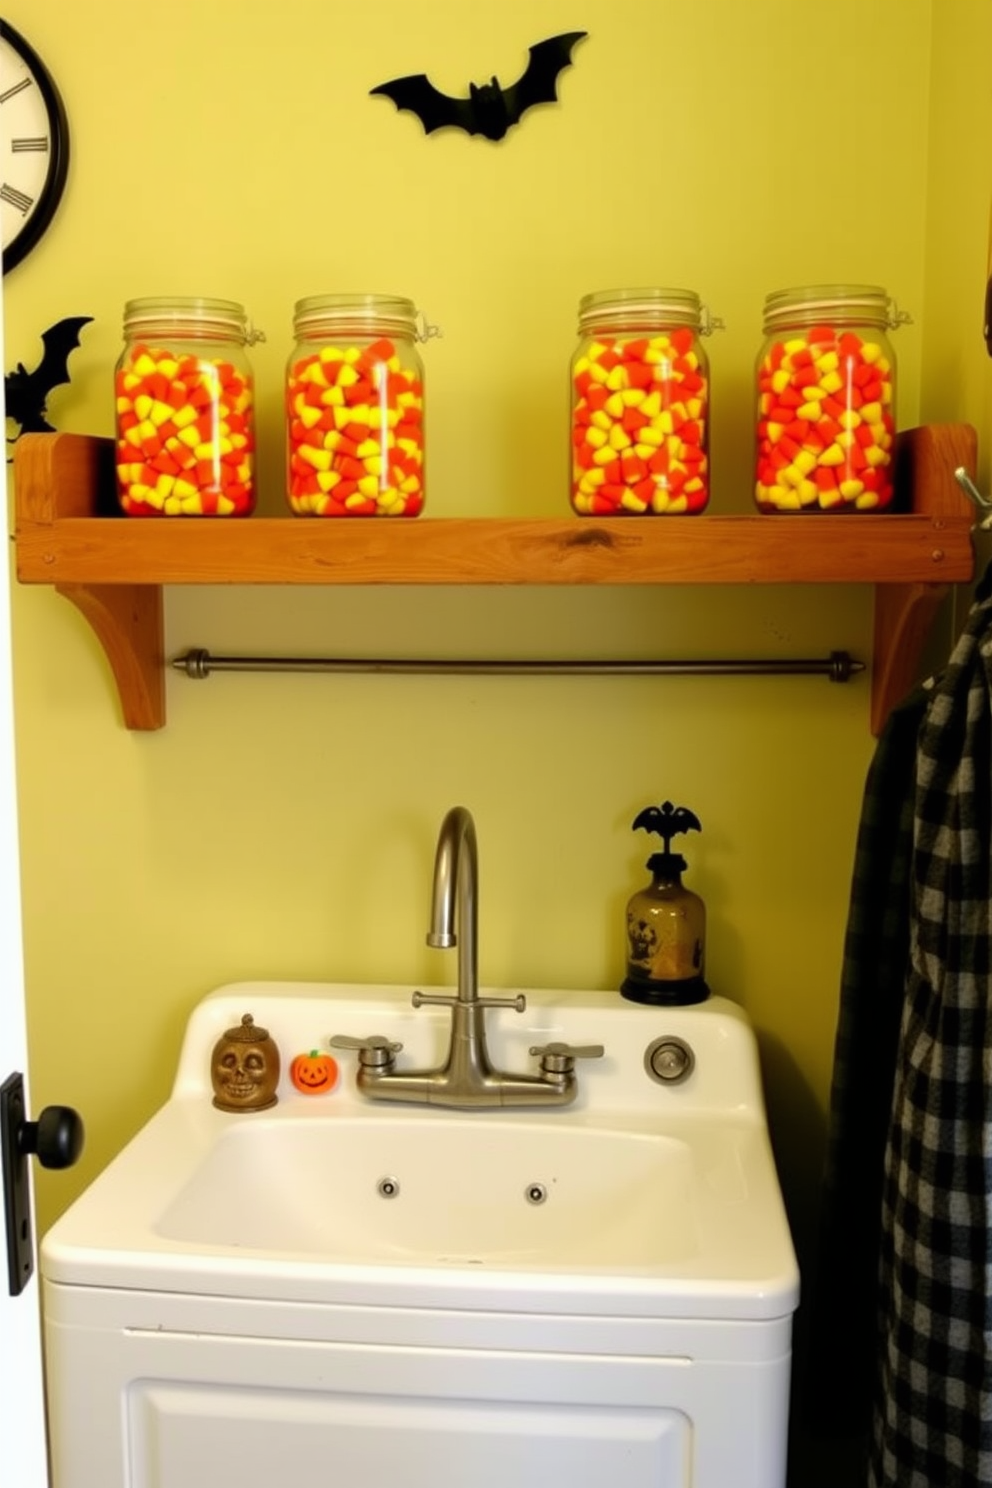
[481,550]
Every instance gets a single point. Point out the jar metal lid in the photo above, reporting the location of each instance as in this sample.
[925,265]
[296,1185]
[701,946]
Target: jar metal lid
[358,313]
[852,304]
[188,315]
[644,309]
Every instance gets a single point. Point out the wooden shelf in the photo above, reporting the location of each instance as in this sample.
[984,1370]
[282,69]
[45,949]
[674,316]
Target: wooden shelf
[69,534]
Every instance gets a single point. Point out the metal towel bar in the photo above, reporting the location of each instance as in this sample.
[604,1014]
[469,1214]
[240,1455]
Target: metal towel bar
[198,663]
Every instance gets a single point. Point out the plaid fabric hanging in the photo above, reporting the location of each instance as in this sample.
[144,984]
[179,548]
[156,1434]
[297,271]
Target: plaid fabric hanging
[933,1411]
[840,1341]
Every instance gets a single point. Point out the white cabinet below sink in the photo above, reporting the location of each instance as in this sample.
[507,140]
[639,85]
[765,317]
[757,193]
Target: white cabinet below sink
[158,1391]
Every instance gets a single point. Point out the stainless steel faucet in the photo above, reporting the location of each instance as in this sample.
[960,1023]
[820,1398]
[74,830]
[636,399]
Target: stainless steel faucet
[467,1077]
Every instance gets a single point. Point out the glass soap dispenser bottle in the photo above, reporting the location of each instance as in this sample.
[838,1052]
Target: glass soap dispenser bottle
[666,922]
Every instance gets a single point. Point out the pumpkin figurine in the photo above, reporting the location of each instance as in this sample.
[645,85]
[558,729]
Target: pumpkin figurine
[314,1073]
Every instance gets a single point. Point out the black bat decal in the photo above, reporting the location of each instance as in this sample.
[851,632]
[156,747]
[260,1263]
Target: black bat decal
[26,393]
[489,109]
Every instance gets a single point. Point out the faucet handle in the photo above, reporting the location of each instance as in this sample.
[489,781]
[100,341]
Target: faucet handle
[375,1050]
[558,1058]
[518,1003]
[442,999]
[433,999]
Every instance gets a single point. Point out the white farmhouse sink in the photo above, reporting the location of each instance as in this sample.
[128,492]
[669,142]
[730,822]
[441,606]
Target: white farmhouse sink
[594,1293]
[667,1194]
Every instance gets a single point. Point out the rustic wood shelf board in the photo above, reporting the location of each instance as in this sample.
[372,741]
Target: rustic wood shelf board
[673,550]
[69,535]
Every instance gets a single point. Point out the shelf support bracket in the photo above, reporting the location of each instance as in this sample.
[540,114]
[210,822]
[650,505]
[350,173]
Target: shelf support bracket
[128,622]
[904,614]
[926,461]
[60,476]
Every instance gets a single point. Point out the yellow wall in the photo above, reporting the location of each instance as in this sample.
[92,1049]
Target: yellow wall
[285,827]
[955,382]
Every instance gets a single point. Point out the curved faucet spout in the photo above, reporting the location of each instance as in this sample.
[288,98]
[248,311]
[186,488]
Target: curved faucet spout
[455,898]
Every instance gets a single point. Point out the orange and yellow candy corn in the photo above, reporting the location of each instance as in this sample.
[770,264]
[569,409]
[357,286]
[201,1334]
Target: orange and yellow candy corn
[640,407]
[825,424]
[185,438]
[355,417]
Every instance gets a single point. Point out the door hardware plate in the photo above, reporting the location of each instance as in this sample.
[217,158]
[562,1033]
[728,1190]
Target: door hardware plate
[16,1186]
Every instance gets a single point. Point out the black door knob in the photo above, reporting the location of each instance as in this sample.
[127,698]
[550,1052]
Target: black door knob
[56,1138]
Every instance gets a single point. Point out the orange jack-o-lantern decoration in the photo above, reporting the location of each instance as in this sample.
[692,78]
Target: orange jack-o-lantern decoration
[314,1073]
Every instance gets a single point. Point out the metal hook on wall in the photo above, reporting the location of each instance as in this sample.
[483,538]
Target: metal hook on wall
[975,496]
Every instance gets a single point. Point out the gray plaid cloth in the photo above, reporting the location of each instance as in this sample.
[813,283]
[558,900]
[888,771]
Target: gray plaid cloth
[933,1411]
[904,1296]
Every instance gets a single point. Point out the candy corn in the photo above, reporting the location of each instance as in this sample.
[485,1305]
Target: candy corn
[639,426]
[355,418]
[185,439]
[825,423]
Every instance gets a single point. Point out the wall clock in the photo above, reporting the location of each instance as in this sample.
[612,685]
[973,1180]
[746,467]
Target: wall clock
[34,146]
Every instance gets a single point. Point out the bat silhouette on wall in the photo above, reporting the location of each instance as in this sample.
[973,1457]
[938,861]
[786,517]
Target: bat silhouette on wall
[489,109]
[26,393]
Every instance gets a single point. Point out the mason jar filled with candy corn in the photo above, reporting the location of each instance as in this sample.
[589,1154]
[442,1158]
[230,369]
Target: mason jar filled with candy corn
[641,404]
[826,398]
[355,408]
[185,424]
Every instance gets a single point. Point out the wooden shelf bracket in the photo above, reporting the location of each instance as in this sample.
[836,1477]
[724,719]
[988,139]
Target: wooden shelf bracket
[128,622]
[904,613]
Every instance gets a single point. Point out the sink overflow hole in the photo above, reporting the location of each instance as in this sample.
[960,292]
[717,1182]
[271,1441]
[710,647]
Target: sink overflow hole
[535,1193]
[388,1188]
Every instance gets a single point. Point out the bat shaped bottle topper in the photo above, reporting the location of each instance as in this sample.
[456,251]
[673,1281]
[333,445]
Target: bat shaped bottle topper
[667,821]
[489,109]
[26,393]
[666,923]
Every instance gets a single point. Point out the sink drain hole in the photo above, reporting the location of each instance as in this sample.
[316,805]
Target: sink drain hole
[535,1193]
[388,1188]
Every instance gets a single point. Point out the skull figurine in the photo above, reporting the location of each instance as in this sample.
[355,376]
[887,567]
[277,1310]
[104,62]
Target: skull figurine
[244,1068]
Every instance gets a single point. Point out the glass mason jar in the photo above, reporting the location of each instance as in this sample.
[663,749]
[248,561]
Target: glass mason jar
[826,389]
[185,419]
[640,404]
[355,408]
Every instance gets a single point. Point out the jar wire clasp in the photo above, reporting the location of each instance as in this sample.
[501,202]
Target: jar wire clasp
[897,317]
[709,323]
[426,331]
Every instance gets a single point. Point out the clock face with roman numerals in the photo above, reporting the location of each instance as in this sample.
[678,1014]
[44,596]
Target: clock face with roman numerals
[34,146]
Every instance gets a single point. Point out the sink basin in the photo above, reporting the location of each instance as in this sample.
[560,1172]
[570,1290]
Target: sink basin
[440,1190]
[650,1196]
